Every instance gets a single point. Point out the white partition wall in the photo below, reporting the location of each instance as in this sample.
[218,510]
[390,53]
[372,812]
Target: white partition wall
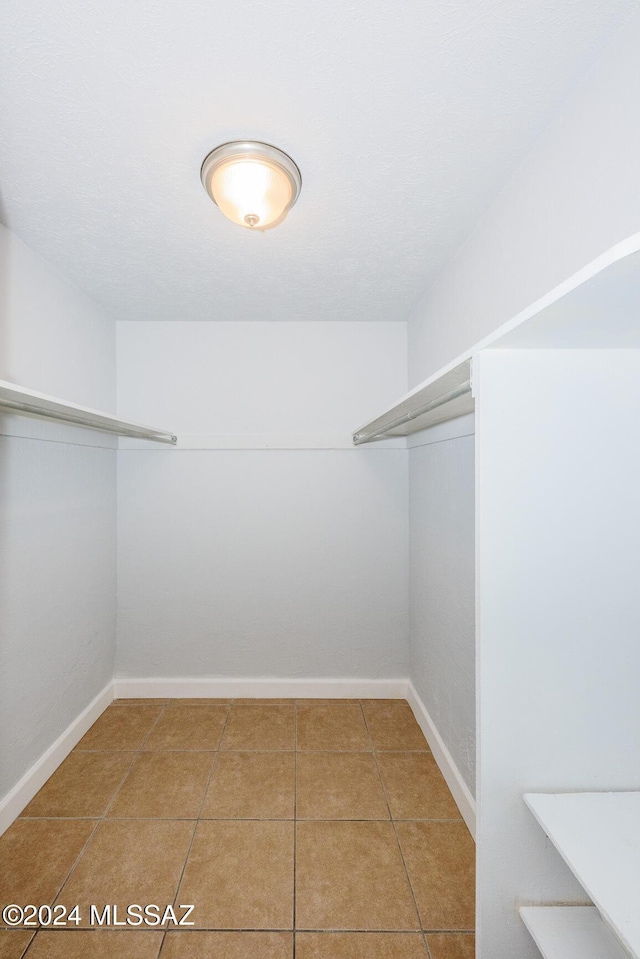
[556,392]
[558,528]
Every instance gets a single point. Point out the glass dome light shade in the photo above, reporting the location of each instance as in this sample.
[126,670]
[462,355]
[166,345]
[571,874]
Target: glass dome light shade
[253,184]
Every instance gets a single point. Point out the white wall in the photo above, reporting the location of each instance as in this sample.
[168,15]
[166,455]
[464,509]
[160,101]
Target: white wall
[261,562]
[559,610]
[442,607]
[575,196]
[52,337]
[57,512]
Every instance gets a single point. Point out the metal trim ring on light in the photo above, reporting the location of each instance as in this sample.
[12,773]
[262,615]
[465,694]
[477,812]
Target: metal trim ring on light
[253,148]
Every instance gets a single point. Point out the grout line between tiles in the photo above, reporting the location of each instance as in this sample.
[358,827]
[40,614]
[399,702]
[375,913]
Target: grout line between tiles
[204,799]
[28,946]
[287,930]
[295,820]
[393,825]
[97,823]
[87,841]
[305,819]
[98,820]
[134,760]
[245,749]
[134,757]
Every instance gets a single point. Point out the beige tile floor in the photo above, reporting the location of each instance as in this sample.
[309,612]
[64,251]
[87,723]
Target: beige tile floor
[298,828]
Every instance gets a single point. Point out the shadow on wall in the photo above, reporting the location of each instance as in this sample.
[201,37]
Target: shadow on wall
[5,280]
[5,374]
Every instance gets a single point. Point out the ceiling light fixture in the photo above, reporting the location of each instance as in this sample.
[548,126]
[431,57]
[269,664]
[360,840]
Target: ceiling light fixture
[253,184]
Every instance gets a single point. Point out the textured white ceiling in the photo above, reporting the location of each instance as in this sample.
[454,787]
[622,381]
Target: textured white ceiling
[405,118]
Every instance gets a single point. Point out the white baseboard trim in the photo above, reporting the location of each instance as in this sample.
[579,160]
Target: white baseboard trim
[459,789]
[224,687]
[23,792]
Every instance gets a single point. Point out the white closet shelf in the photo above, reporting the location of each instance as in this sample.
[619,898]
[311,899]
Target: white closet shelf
[598,836]
[565,932]
[443,397]
[596,308]
[17,399]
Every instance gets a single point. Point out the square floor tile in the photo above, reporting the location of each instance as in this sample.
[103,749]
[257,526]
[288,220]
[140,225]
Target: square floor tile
[415,787]
[260,727]
[440,860]
[36,856]
[349,875]
[332,727]
[13,943]
[360,945]
[121,727]
[164,785]
[336,785]
[252,785]
[447,945]
[83,786]
[129,861]
[95,944]
[392,725]
[228,945]
[188,727]
[240,875]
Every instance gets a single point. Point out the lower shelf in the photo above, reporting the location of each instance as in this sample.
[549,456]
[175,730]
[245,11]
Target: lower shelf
[598,836]
[568,932]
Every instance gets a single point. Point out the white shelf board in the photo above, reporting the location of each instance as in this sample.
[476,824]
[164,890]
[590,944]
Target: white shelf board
[448,393]
[598,836]
[596,308]
[571,932]
[17,399]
